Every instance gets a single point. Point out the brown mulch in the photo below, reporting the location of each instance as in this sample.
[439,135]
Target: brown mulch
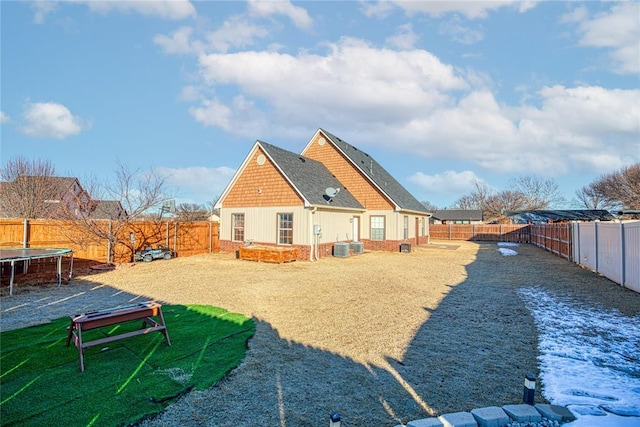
[381,338]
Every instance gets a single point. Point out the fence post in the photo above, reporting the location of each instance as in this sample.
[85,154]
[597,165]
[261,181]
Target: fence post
[109,244]
[25,224]
[623,254]
[175,237]
[595,232]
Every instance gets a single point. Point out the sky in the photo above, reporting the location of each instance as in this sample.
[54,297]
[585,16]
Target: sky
[441,94]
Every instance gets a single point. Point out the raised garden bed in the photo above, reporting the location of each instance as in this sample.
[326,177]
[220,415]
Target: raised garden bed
[275,254]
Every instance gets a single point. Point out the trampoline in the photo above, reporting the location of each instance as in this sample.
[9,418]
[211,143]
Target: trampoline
[26,255]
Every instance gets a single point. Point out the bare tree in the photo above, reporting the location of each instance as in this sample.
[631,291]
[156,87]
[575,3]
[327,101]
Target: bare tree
[138,193]
[477,199]
[537,193]
[524,193]
[191,212]
[620,189]
[588,198]
[27,188]
[429,206]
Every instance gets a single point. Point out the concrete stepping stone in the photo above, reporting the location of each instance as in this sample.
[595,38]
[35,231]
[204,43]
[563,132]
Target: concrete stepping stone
[523,413]
[425,422]
[555,412]
[492,416]
[458,419]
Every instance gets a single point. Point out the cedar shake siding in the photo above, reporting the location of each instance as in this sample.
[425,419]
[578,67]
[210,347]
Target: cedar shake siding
[261,185]
[351,178]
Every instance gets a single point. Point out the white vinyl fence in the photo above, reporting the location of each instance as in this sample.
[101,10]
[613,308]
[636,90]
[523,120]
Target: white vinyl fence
[611,249]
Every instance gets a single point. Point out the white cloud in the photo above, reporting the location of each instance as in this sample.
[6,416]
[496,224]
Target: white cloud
[197,183]
[189,94]
[51,120]
[4,118]
[235,32]
[469,9]
[179,42]
[460,33]
[378,85]
[213,113]
[378,9]
[413,102]
[405,38]
[166,9]
[618,30]
[296,14]
[447,182]
[41,9]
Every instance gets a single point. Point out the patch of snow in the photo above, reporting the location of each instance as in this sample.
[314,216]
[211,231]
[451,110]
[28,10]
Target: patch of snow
[508,244]
[589,359]
[507,252]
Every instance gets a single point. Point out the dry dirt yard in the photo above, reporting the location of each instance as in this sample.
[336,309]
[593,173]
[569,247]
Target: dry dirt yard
[380,338]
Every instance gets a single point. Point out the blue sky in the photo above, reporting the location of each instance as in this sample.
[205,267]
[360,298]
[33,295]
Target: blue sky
[441,94]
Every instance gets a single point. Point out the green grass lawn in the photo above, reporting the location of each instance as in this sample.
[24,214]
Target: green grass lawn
[125,380]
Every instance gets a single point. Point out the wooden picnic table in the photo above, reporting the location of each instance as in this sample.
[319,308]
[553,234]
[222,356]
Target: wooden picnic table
[145,311]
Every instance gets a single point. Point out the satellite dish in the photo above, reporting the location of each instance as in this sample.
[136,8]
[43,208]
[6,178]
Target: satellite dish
[331,192]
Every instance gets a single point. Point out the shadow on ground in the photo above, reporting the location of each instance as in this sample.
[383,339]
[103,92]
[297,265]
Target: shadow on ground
[473,351]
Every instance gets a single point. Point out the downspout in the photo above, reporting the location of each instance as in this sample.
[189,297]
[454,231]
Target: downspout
[313,247]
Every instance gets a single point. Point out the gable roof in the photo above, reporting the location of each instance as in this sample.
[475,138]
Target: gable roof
[458,214]
[543,216]
[107,209]
[377,175]
[309,178]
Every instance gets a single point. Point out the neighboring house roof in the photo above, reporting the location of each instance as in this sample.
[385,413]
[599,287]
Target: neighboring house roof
[45,195]
[107,209]
[310,178]
[61,184]
[458,215]
[378,176]
[543,216]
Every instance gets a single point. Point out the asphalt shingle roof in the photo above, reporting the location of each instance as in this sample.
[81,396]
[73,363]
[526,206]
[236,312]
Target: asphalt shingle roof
[310,177]
[458,214]
[378,175]
[542,216]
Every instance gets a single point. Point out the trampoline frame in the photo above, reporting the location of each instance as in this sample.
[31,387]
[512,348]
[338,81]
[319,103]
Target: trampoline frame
[13,255]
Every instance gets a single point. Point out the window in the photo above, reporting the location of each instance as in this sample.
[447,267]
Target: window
[377,228]
[423,221]
[405,227]
[237,232]
[285,229]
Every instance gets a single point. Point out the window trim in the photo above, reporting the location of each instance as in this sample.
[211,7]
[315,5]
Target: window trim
[371,228]
[234,228]
[405,227]
[280,229]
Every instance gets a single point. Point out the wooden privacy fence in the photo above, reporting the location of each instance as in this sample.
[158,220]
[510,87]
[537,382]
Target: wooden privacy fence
[490,232]
[184,238]
[608,248]
[556,238]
